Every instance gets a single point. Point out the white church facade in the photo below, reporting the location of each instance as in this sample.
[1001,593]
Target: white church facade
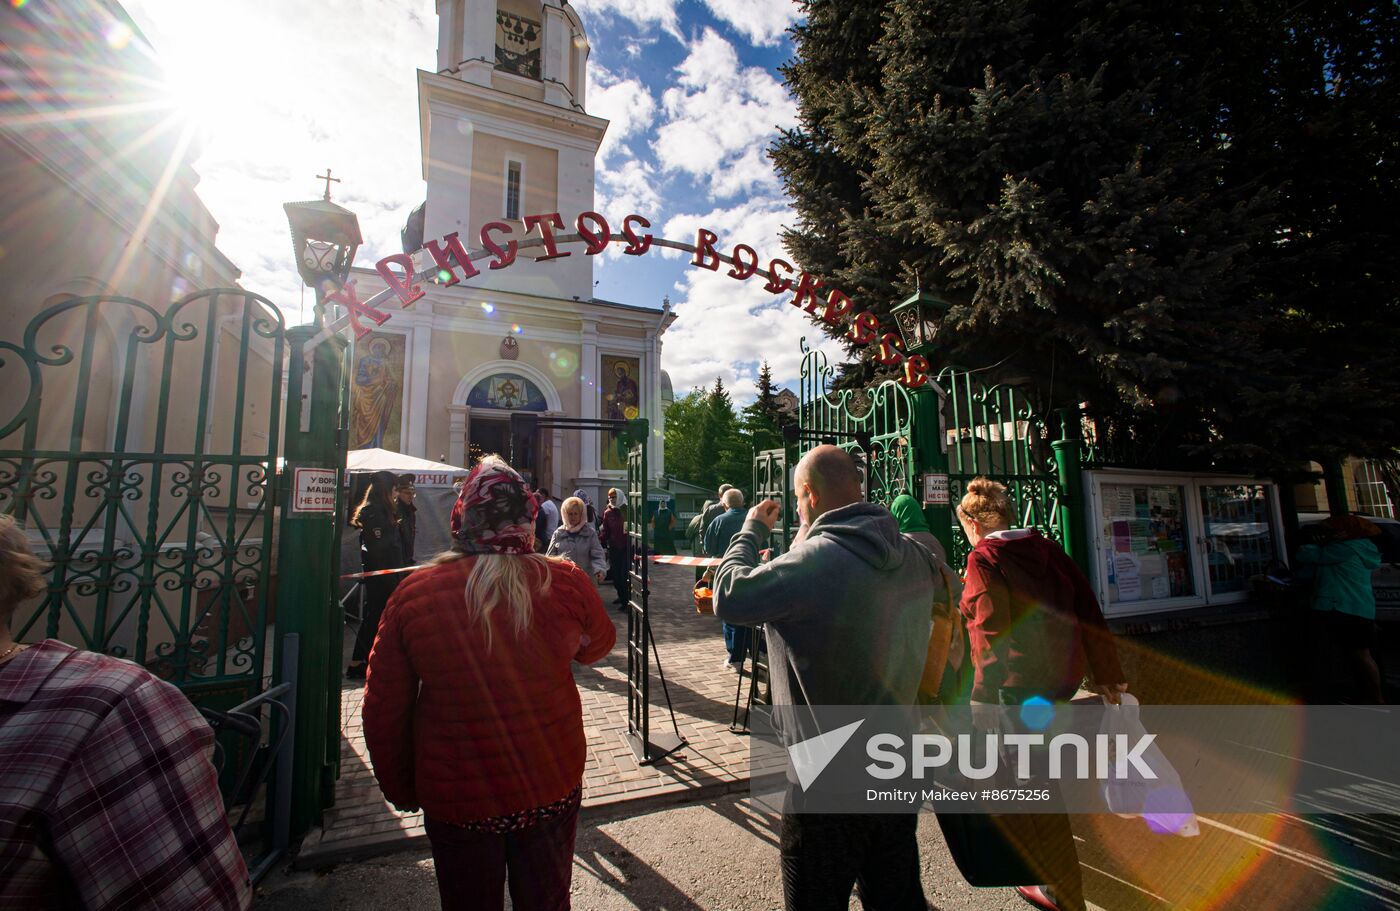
[505,133]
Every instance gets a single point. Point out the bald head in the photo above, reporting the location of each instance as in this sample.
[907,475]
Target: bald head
[827,478]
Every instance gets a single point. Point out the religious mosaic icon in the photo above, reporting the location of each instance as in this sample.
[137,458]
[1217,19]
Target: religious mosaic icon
[507,392]
[622,401]
[376,392]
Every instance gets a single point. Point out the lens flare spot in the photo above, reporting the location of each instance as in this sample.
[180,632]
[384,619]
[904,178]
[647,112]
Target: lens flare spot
[118,35]
[562,364]
[487,307]
[515,327]
[1036,713]
[444,276]
[19,4]
[1167,811]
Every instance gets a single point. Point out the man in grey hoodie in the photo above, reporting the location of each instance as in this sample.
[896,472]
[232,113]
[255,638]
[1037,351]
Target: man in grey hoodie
[848,615]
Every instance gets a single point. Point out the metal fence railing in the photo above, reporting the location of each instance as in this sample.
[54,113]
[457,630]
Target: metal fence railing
[254,744]
[1372,498]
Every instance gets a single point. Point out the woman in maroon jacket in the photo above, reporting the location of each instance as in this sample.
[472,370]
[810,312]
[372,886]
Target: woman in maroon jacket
[612,532]
[471,711]
[1035,627]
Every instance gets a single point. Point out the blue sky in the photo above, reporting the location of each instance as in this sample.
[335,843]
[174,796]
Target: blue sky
[691,87]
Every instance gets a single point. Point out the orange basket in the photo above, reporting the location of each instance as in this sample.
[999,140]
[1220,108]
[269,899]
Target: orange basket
[704,597]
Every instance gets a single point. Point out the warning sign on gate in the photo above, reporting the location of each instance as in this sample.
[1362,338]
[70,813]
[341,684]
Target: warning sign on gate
[935,490]
[313,490]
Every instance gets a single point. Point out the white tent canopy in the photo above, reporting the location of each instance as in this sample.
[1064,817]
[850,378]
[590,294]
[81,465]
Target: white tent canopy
[426,473]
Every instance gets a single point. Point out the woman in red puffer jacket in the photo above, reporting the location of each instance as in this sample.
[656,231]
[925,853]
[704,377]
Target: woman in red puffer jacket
[471,711]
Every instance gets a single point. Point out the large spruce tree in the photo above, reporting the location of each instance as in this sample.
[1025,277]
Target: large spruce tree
[1178,213]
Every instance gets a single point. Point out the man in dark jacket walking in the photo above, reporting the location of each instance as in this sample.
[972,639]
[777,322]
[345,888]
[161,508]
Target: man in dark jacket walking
[720,532]
[847,613]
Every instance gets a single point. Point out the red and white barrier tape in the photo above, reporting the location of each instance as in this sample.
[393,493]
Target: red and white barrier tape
[671,560]
[383,572]
[656,558]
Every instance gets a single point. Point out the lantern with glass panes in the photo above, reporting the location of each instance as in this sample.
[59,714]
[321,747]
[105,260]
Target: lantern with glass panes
[919,319]
[325,237]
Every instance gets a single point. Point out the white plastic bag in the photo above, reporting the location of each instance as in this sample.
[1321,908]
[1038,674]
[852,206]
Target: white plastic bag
[1161,802]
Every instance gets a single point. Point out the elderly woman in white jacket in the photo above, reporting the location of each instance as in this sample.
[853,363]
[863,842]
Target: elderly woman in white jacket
[577,541]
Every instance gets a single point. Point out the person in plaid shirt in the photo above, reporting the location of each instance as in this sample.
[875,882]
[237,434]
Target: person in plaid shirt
[108,798]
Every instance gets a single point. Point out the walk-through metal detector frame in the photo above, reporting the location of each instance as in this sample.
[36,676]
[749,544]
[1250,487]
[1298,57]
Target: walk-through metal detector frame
[650,747]
[771,482]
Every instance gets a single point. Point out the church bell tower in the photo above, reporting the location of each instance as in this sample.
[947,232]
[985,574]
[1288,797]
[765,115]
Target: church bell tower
[506,134]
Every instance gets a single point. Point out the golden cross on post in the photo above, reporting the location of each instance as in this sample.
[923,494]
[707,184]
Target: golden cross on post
[329,180]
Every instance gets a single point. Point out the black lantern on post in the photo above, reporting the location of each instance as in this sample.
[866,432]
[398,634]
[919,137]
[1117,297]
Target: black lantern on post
[919,319]
[325,237]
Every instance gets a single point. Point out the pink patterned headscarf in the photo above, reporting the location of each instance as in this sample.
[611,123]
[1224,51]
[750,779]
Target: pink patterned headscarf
[495,512]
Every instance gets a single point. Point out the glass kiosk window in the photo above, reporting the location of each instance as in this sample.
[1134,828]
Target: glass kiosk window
[1239,539]
[1146,526]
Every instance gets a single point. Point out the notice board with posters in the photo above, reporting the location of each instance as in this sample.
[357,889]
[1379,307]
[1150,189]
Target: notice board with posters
[1150,550]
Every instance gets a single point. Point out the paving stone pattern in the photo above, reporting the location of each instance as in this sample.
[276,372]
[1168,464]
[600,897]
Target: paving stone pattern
[714,761]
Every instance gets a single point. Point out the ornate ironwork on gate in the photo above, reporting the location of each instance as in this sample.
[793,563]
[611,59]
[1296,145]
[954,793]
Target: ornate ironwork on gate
[875,423]
[138,453]
[770,482]
[994,432]
[989,431]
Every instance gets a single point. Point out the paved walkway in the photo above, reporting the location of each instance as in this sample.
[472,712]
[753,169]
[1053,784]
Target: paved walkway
[714,762]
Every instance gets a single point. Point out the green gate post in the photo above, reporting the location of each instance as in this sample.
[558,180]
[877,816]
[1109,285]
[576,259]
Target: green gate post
[931,457]
[1334,481]
[307,560]
[1068,465]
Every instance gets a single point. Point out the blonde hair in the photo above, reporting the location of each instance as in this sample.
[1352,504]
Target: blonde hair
[509,582]
[573,503]
[22,575]
[987,503]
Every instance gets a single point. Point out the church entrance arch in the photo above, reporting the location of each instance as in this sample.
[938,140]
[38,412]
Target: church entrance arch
[479,419]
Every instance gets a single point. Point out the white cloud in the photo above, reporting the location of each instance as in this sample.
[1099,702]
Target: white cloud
[633,47]
[629,188]
[626,104]
[721,118]
[284,91]
[762,22]
[642,13]
[726,327]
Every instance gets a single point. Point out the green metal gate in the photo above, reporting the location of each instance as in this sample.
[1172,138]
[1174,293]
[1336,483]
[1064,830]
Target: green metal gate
[951,430]
[152,499]
[770,482]
[994,432]
[877,424]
